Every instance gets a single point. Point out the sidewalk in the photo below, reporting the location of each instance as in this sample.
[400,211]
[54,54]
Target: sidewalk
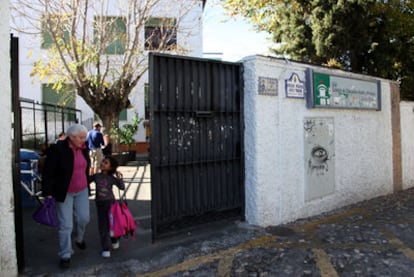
[371,238]
[41,242]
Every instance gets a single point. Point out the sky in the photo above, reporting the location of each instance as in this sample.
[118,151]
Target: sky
[234,38]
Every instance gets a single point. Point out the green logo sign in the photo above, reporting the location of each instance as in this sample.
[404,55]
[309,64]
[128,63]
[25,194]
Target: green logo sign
[340,92]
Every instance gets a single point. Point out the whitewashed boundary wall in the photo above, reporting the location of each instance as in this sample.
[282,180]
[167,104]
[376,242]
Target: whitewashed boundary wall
[407,142]
[8,258]
[286,176]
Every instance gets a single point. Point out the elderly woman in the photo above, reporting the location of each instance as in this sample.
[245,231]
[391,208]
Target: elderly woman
[65,177]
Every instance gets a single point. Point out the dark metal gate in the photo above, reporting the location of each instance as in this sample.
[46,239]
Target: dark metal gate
[18,219]
[196,147]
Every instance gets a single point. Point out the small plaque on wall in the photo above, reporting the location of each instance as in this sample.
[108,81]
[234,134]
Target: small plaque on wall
[268,86]
[295,88]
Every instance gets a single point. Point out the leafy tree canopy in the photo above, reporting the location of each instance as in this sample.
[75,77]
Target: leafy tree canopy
[364,36]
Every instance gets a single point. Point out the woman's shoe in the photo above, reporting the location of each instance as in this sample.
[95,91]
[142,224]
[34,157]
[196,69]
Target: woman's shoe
[81,245]
[64,263]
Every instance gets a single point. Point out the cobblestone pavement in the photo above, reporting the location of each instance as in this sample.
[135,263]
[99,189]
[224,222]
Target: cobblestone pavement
[371,238]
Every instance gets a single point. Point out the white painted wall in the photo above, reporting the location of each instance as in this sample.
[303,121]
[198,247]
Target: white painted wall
[274,148]
[407,143]
[8,260]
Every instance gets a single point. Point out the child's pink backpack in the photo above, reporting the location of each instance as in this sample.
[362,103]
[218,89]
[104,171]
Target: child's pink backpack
[121,221]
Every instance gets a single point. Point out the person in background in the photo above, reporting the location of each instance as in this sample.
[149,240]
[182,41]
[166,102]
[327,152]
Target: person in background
[61,136]
[104,181]
[107,150]
[65,178]
[95,144]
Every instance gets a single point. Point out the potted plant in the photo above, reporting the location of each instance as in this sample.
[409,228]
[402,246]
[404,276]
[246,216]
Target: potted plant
[124,136]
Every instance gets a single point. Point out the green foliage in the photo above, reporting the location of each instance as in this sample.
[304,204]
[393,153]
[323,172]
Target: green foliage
[125,134]
[363,36]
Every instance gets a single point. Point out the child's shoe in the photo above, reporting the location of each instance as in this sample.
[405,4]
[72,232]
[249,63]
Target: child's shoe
[115,245]
[106,254]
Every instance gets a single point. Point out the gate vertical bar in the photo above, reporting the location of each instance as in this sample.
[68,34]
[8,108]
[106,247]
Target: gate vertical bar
[18,210]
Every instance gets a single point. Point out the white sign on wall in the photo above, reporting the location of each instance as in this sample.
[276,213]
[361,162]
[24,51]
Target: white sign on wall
[319,157]
[295,88]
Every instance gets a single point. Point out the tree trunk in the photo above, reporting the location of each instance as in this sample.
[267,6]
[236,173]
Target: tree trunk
[108,120]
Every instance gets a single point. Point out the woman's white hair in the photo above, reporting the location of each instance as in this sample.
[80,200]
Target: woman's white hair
[76,129]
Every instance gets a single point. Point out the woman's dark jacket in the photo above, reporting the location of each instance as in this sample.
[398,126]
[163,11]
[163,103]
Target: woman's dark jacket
[58,169]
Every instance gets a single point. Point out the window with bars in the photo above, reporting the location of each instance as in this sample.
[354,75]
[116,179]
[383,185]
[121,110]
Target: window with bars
[160,33]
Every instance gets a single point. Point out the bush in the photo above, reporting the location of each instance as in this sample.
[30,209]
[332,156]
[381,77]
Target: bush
[125,134]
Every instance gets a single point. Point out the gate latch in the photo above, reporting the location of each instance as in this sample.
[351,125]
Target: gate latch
[204,113]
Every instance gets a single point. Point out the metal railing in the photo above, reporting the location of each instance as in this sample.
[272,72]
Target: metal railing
[42,122]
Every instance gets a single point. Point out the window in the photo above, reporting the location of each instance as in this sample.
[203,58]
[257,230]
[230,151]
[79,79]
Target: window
[111,31]
[65,98]
[123,115]
[57,25]
[160,33]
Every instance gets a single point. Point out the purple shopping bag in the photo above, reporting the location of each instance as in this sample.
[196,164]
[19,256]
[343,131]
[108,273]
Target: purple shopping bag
[46,213]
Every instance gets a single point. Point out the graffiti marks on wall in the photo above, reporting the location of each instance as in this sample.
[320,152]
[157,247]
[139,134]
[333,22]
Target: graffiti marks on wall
[318,161]
[319,157]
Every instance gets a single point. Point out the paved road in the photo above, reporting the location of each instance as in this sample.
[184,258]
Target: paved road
[371,238]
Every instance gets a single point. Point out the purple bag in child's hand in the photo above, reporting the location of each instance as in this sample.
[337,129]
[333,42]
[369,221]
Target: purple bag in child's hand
[46,213]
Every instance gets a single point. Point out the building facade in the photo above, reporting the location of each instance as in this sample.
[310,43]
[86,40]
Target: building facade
[180,20]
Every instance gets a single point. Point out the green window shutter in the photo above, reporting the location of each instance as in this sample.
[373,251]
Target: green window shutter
[46,38]
[49,94]
[123,115]
[161,22]
[115,29]
[60,28]
[65,98]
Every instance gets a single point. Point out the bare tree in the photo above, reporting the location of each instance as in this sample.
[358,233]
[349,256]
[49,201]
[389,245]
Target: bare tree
[99,48]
